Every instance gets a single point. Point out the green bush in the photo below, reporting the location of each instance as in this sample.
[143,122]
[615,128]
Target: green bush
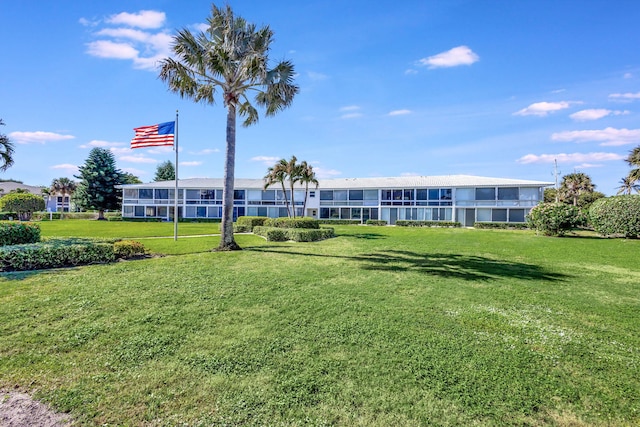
[502,225]
[302,222]
[54,254]
[618,215]
[16,233]
[241,228]
[250,222]
[554,219]
[410,223]
[125,249]
[24,204]
[129,219]
[276,234]
[339,221]
[376,222]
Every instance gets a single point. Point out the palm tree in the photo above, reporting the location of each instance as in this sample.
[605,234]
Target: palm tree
[575,184]
[277,174]
[634,160]
[65,187]
[307,176]
[230,56]
[6,151]
[628,184]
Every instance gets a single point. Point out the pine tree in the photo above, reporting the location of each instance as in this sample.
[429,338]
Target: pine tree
[165,172]
[98,178]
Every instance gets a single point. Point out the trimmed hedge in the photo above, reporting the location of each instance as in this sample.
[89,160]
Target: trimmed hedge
[376,222]
[251,221]
[302,222]
[618,215]
[125,249]
[55,253]
[17,233]
[502,225]
[277,234]
[410,223]
[554,219]
[340,221]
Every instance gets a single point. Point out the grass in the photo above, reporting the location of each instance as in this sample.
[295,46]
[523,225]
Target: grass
[379,326]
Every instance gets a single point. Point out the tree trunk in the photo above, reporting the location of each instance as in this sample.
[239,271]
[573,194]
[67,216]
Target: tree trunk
[293,203]
[286,199]
[100,214]
[227,243]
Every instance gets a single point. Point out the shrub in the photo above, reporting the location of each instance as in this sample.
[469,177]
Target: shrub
[553,219]
[276,234]
[250,221]
[128,249]
[16,233]
[55,253]
[618,215]
[410,223]
[502,225]
[241,228]
[340,221]
[24,204]
[8,216]
[272,234]
[376,222]
[302,222]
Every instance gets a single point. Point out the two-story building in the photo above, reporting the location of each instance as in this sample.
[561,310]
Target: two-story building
[463,198]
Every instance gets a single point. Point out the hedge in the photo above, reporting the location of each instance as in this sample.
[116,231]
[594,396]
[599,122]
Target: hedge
[302,222]
[410,223]
[376,222]
[17,233]
[245,224]
[618,215]
[554,219]
[340,221]
[502,225]
[277,234]
[125,249]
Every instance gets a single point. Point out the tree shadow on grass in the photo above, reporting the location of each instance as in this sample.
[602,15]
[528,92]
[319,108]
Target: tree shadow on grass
[454,266]
[367,236]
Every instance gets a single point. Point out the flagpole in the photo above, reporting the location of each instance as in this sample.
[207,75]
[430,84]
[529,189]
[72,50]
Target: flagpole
[175,199]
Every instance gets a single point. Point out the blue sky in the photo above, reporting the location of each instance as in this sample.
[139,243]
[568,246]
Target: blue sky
[496,88]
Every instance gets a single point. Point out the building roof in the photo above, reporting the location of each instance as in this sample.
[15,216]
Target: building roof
[348,183]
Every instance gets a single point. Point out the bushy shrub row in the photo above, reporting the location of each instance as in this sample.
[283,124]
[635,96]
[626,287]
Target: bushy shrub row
[285,222]
[245,224]
[619,215]
[554,219]
[411,223]
[376,222]
[55,253]
[339,221]
[502,225]
[16,233]
[277,234]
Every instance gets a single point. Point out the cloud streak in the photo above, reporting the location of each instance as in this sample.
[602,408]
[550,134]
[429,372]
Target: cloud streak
[455,57]
[607,137]
[38,137]
[542,109]
[569,158]
[595,114]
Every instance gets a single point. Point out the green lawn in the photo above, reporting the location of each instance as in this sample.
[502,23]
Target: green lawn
[380,326]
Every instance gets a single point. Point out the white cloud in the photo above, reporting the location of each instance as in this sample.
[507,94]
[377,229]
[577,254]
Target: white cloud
[399,112]
[101,144]
[411,71]
[109,49]
[205,151]
[460,55]
[38,137]
[350,108]
[625,96]
[163,149]
[267,160]
[569,158]
[595,114]
[544,108]
[137,159]
[627,75]
[607,137]
[193,163]
[326,173]
[136,172]
[67,167]
[142,19]
[351,116]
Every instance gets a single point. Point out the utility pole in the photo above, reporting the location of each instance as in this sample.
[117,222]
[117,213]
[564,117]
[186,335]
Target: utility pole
[556,173]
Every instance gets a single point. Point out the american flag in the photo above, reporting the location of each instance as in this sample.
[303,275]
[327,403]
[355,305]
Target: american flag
[154,135]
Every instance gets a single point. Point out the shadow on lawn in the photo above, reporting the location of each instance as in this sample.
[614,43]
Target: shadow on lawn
[465,267]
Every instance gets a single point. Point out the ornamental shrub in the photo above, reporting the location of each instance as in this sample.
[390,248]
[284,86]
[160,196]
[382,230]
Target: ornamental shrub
[412,223]
[378,222]
[302,222]
[275,234]
[618,215]
[17,233]
[251,221]
[125,249]
[553,219]
[23,204]
[502,225]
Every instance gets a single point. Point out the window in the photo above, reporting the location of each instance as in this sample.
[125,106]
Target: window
[464,194]
[201,211]
[324,213]
[193,194]
[516,215]
[145,193]
[434,194]
[161,194]
[344,213]
[408,194]
[508,193]
[371,195]
[356,213]
[128,211]
[130,193]
[219,194]
[445,194]
[161,211]
[214,212]
[386,194]
[207,194]
[238,194]
[422,194]
[150,211]
[326,195]
[483,215]
[499,215]
[312,194]
[139,211]
[486,193]
[397,194]
[268,195]
[356,194]
[340,195]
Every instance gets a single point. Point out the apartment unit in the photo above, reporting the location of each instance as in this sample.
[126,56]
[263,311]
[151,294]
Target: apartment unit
[463,198]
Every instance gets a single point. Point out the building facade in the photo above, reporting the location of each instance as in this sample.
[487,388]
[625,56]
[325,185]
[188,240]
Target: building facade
[463,198]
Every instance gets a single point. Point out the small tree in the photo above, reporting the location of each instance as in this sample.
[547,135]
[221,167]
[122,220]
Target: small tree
[573,185]
[98,179]
[23,204]
[165,172]
[554,219]
[129,178]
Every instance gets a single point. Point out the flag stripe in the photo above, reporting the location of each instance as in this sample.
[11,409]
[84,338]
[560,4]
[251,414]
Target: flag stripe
[154,135]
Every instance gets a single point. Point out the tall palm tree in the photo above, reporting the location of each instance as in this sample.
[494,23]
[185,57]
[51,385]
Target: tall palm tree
[634,160]
[65,187]
[231,56]
[628,184]
[575,184]
[6,151]
[289,171]
[277,174]
[307,176]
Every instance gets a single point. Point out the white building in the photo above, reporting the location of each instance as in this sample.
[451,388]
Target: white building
[462,198]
